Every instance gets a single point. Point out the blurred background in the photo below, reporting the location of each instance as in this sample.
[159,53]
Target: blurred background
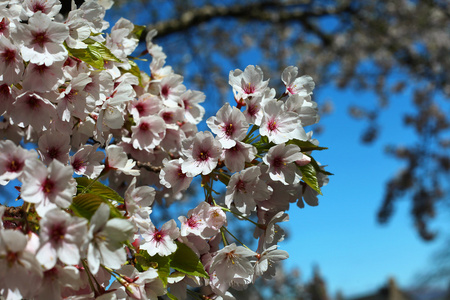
[382,84]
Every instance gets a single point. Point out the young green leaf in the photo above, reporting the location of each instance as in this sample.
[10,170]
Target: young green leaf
[309,177]
[98,188]
[186,261]
[305,146]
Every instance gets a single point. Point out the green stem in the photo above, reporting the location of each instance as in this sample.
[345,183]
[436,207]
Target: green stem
[224,238]
[88,272]
[254,128]
[226,229]
[92,183]
[239,215]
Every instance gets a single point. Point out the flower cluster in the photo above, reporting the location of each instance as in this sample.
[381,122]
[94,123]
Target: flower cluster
[94,141]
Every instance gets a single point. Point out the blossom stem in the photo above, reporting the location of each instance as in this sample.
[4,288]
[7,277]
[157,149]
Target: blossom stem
[92,183]
[224,238]
[239,215]
[226,229]
[88,272]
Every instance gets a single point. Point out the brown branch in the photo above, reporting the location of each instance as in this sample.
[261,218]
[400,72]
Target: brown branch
[266,11]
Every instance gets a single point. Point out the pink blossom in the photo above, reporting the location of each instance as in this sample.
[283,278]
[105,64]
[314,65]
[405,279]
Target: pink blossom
[61,237]
[12,160]
[171,176]
[47,187]
[302,86]
[49,7]
[236,156]
[32,109]
[106,237]
[54,145]
[161,241]
[148,132]
[43,78]
[280,159]
[248,83]
[87,161]
[11,64]
[202,156]
[171,88]
[280,125]
[229,125]
[193,111]
[233,262]
[42,40]
[19,269]
[245,188]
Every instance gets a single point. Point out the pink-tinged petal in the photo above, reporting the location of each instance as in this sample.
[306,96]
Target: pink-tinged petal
[47,256]
[69,253]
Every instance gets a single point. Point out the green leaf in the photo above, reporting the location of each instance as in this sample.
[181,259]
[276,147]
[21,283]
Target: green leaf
[98,188]
[138,30]
[317,167]
[87,56]
[186,261]
[305,146]
[85,205]
[160,263]
[309,177]
[102,50]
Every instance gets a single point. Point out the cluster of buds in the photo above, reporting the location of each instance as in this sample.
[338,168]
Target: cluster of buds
[92,141]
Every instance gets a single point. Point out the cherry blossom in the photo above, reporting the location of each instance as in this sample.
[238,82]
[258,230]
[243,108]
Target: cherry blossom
[161,241]
[229,124]
[61,237]
[202,155]
[47,187]
[41,39]
[105,240]
[12,160]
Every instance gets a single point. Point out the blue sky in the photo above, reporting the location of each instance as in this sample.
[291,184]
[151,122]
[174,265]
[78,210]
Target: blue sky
[341,235]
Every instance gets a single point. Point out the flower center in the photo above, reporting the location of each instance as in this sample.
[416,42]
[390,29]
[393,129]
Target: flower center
[3,25]
[57,232]
[33,103]
[48,186]
[144,126]
[229,129]
[14,165]
[77,164]
[140,108]
[40,38]
[278,162]
[165,91]
[158,236]
[203,155]
[272,125]
[192,222]
[167,116]
[53,152]
[9,56]
[38,7]
[240,186]
[249,89]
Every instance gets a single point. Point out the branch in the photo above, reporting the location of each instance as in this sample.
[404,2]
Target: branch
[266,11]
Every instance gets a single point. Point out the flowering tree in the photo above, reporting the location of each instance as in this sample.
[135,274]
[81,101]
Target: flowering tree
[94,141]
